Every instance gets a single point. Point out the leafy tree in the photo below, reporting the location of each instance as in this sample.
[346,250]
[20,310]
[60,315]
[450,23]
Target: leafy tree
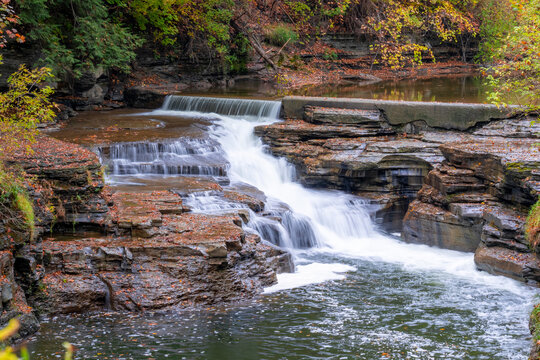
[210,19]
[515,51]
[316,15]
[496,21]
[7,21]
[25,104]
[159,17]
[23,107]
[77,36]
[394,23]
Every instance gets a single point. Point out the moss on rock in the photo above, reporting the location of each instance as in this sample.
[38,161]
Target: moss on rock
[532,228]
[534,326]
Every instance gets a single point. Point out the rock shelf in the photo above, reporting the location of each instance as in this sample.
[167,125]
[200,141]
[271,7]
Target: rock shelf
[467,190]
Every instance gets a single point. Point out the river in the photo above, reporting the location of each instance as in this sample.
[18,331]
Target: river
[357,293]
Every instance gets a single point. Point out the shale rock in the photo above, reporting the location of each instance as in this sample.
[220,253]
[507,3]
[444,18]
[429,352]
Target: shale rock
[67,185]
[65,182]
[357,151]
[477,200]
[161,257]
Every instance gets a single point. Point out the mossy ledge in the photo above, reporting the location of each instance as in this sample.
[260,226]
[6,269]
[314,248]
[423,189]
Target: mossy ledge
[534,326]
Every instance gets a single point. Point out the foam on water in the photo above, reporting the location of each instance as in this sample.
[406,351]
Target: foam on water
[310,274]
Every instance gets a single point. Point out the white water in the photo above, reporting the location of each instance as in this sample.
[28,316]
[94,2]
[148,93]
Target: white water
[340,223]
[181,157]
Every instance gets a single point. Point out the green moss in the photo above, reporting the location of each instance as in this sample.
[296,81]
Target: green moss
[532,226]
[520,167]
[281,34]
[14,199]
[24,205]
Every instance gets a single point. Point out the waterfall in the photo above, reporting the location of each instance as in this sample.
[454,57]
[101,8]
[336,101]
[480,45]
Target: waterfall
[306,218]
[298,218]
[228,107]
[181,157]
[294,217]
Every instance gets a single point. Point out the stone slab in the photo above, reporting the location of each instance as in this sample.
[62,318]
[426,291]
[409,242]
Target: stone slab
[450,116]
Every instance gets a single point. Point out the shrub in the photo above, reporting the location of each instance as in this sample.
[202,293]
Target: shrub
[23,106]
[532,227]
[15,204]
[516,71]
[281,34]
[330,55]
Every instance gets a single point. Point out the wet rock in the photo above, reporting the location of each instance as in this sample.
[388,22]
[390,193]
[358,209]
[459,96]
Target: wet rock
[199,265]
[255,204]
[521,127]
[295,131]
[507,262]
[160,257]
[142,97]
[489,183]
[431,225]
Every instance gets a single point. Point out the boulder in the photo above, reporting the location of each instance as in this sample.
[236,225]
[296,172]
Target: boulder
[142,97]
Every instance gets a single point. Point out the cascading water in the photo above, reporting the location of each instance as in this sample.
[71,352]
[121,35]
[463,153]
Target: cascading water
[228,107]
[181,157]
[330,221]
[324,222]
[397,300]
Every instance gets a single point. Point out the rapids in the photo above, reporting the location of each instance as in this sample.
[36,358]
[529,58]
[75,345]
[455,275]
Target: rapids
[356,293]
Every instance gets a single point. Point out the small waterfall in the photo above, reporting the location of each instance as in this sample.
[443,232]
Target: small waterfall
[294,217]
[212,202]
[229,107]
[181,157]
[285,229]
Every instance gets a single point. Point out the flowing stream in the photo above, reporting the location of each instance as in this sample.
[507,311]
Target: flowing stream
[356,292]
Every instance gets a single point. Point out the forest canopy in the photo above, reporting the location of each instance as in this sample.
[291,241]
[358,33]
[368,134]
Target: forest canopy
[77,36]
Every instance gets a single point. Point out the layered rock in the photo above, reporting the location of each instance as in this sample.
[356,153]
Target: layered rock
[356,151]
[477,200]
[471,190]
[67,184]
[97,248]
[162,257]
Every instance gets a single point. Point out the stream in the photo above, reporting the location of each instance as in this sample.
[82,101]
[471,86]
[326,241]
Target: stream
[357,293]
